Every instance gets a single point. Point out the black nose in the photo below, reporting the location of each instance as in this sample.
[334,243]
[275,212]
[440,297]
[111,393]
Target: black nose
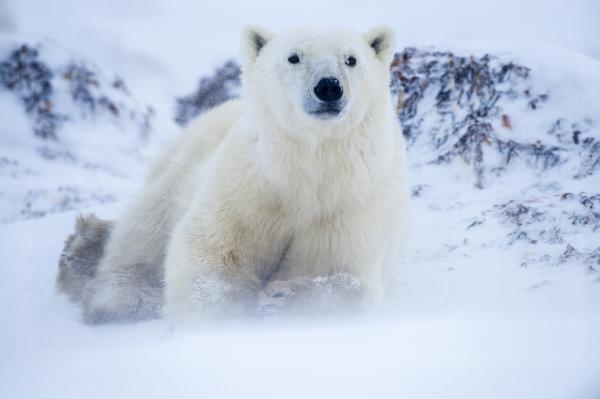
[329,89]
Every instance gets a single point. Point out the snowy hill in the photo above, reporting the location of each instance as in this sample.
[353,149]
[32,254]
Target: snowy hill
[72,135]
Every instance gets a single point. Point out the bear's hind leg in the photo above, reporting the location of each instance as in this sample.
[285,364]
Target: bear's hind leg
[108,303]
[128,285]
[81,255]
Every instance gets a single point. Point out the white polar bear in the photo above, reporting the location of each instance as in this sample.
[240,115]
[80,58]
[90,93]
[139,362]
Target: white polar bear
[303,179]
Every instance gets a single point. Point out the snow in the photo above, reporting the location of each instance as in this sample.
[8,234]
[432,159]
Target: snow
[473,310]
[475,332]
[102,146]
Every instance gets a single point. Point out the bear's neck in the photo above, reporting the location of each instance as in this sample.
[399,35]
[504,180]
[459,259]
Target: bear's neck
[343,168]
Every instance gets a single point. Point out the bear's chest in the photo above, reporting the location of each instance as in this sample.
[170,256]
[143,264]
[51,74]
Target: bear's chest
[326,184]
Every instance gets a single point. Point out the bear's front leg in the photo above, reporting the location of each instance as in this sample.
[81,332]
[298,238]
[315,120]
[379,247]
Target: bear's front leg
[207,274]
[330,268]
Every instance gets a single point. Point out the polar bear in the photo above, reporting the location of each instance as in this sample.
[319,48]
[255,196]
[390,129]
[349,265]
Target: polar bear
[300,184]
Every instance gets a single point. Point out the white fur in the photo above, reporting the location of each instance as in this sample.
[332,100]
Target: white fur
[258,190]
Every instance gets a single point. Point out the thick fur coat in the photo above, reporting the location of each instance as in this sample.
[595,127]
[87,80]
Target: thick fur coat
[261,198]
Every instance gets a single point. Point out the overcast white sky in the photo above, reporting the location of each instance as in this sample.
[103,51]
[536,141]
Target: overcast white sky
[569,23]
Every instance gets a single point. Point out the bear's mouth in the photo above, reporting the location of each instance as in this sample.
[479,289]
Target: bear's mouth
[326,111]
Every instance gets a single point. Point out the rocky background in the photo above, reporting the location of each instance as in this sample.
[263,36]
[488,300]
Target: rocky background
[463,115]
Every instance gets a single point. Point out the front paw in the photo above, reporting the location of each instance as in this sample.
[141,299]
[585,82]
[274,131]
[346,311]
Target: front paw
[276,296]
[324,294]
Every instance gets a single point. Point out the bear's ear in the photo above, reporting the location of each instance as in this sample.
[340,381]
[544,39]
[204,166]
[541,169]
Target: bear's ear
[253,41]
[383,42]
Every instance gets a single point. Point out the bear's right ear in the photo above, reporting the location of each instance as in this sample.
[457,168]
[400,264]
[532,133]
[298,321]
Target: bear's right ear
[253,41]
[383,42]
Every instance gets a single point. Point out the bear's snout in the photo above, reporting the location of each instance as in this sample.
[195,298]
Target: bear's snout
[329,89]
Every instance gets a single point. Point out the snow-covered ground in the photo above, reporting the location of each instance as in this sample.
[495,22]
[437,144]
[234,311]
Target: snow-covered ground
[497,294]
[480,330]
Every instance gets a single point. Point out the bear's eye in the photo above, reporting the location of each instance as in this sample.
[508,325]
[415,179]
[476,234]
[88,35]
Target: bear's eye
[351,61]
[294,59]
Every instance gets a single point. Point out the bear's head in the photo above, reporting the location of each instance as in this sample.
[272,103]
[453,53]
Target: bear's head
[311,82]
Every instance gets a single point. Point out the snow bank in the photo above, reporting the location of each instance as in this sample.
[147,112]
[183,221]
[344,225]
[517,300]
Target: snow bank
[72,136]
[431,343]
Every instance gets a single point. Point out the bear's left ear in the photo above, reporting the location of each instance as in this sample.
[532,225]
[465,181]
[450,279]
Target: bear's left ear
[253,41]
[383,41]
